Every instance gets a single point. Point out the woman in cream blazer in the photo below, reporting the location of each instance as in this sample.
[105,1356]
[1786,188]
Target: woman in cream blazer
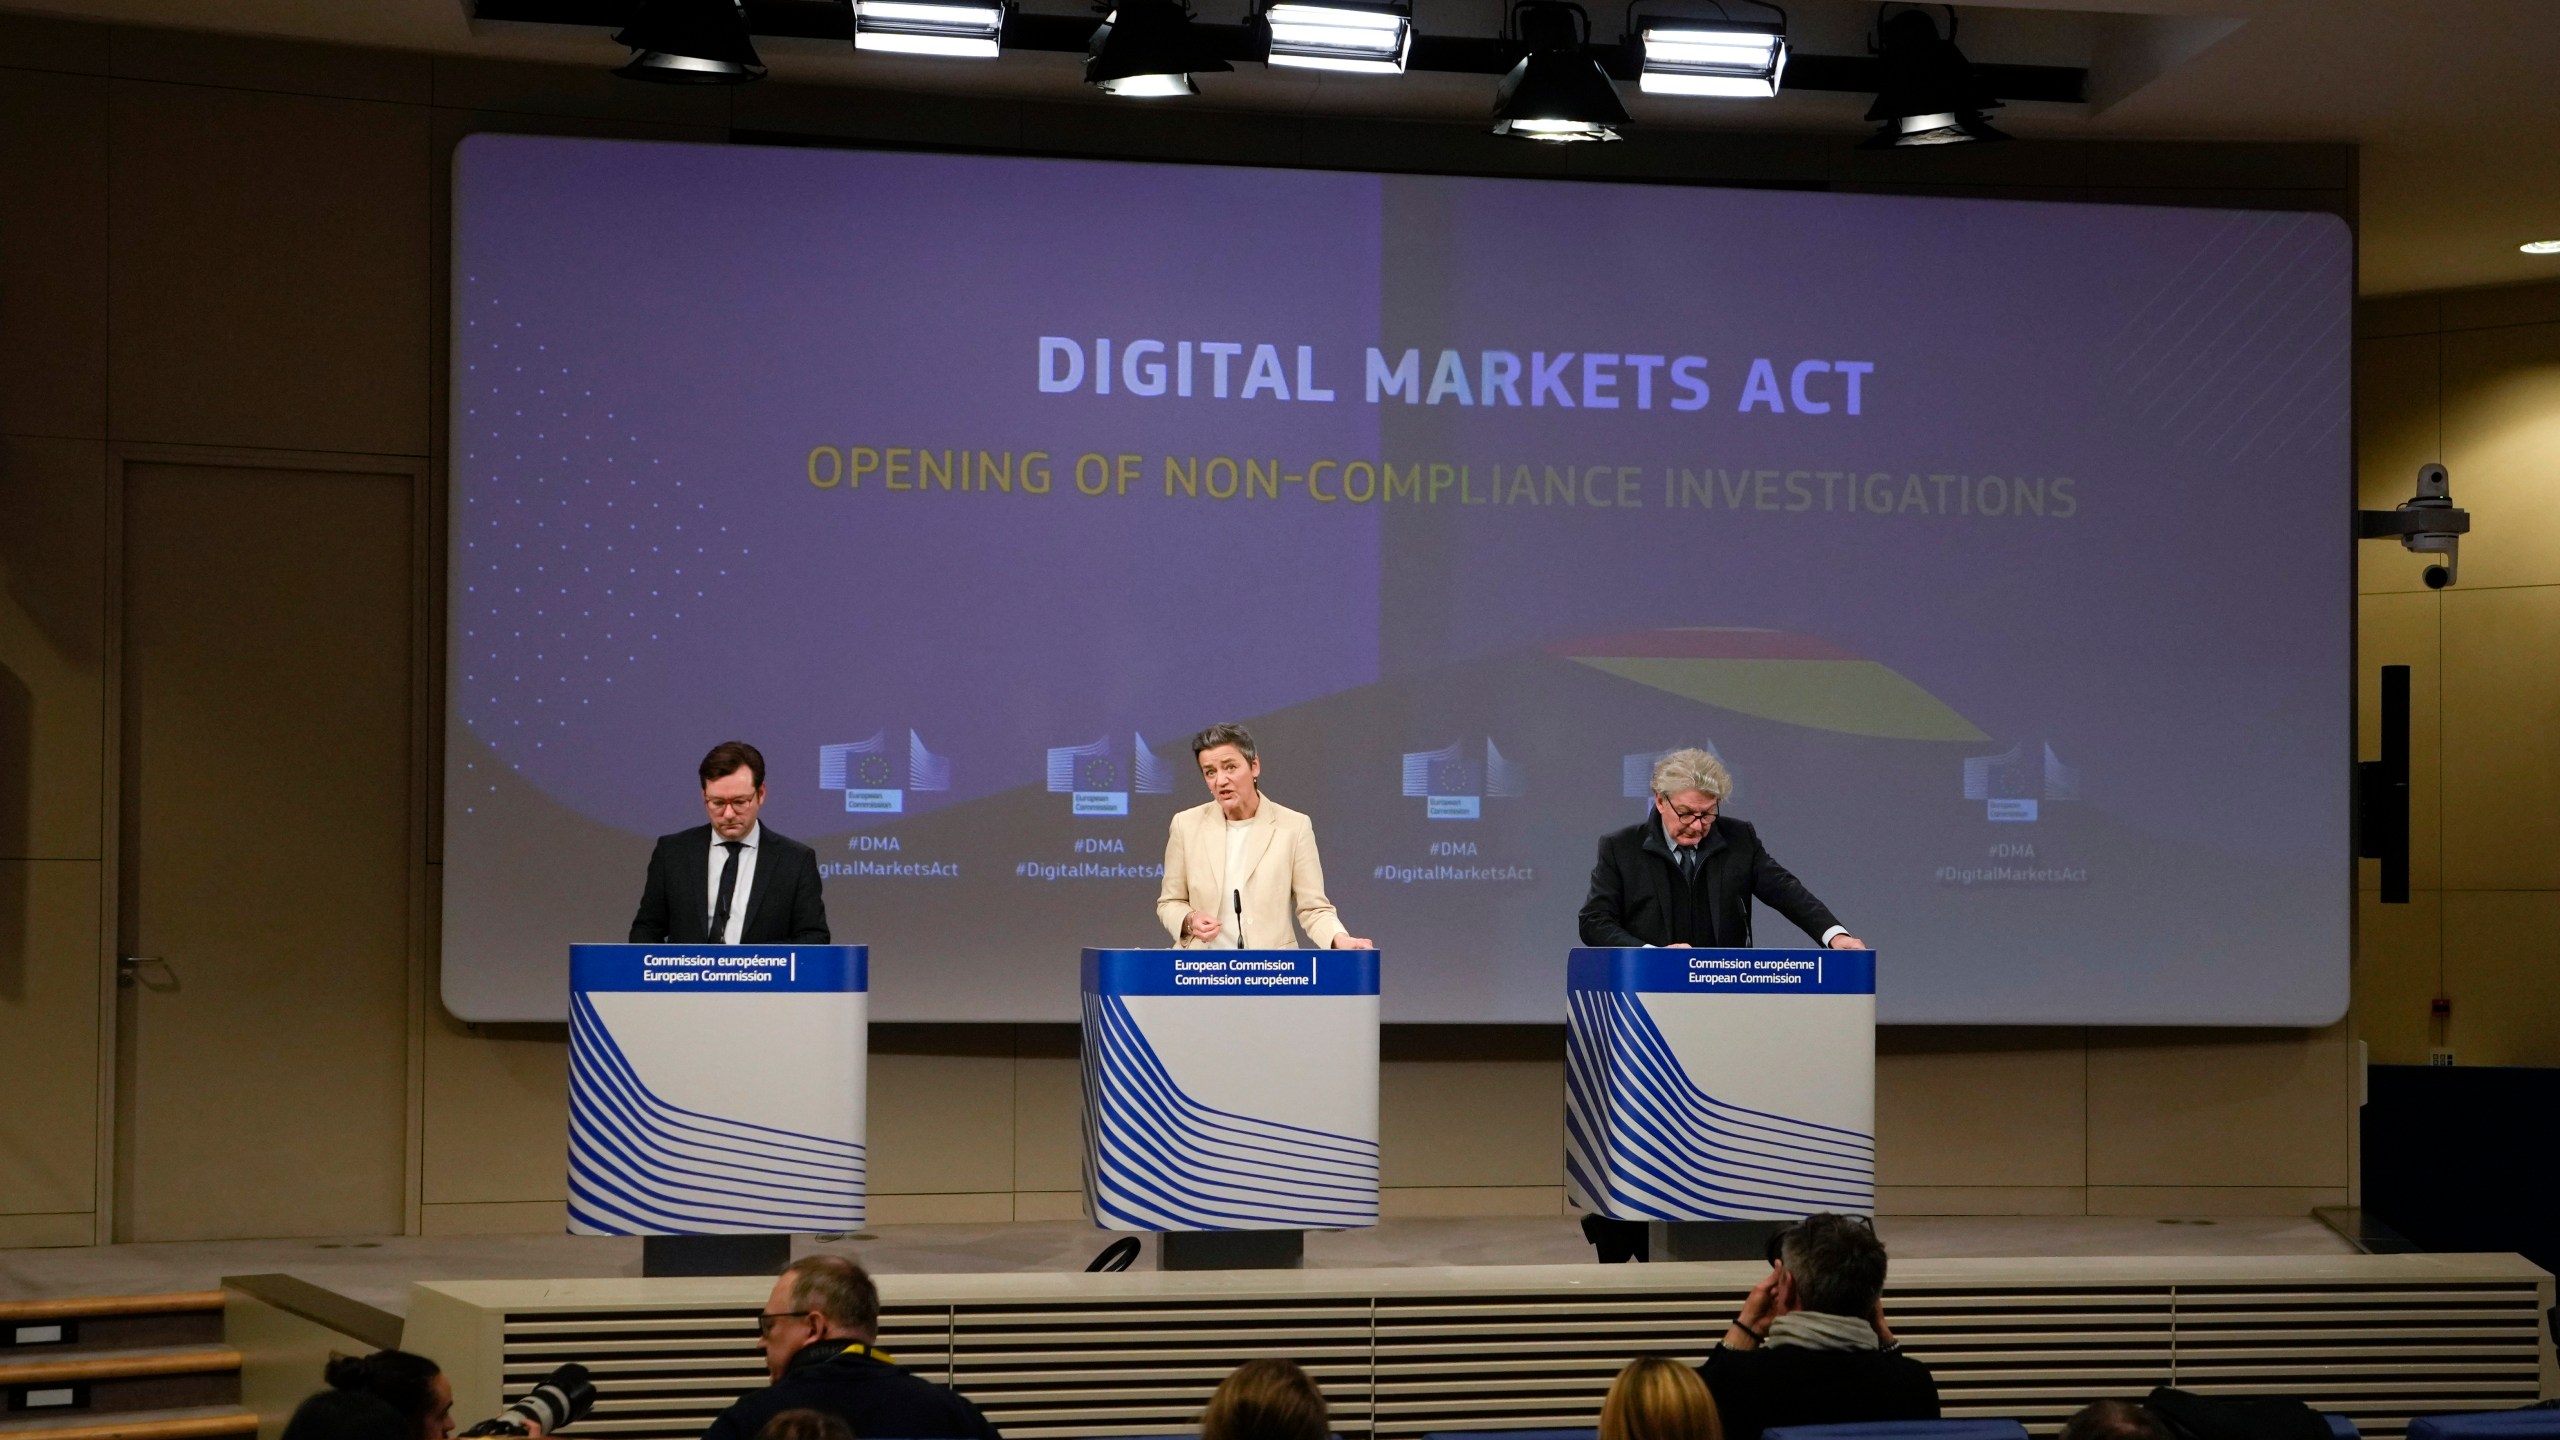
[1275,865]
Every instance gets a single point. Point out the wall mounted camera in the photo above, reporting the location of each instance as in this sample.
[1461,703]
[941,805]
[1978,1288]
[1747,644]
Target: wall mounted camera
[2427,523]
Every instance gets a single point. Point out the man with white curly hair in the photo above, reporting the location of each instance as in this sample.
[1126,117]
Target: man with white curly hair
[1686,875]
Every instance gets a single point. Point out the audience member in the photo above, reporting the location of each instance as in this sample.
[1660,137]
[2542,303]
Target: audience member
[1266,1400]
[805,1425]
[409,1384]
[816,1332]
[348,1415]
[2115,1420]
[1658,1398]
[1811,1346]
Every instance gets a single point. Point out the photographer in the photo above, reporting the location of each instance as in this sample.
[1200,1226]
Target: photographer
[1811,1346]
[410,1384]
[816,1333]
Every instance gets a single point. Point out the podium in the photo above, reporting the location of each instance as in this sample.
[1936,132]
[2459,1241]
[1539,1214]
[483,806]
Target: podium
[1231,1099]
[1720,1086]
[717,1090]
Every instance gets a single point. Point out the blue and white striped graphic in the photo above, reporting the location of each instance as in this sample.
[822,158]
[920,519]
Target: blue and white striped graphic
[1158,1159]
[1645,1140]
[716,1090]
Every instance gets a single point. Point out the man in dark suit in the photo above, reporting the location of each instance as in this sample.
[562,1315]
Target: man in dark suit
[819,1331]
[1685,875]
[731,882]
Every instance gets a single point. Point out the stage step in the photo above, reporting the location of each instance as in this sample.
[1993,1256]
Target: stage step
[119,1367]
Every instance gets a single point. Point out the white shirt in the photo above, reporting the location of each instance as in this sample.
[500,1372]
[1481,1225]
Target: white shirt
[1834,933]
[1230,933]
[746,883]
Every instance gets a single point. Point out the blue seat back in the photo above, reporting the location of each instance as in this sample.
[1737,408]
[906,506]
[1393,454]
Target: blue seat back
[1591,1433]
[1903,1431]
[2342,1427]
[2488,1425]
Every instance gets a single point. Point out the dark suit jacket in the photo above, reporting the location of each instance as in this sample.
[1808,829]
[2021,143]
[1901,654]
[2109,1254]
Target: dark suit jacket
[1639,898]
[876,1398]
[784,906]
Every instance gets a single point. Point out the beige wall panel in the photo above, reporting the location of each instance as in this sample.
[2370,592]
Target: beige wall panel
[2501,712]
[2399,964]
[1979,1105]
[2196,1107]
[1981,1199]
[52,604]
[1048,1205]
[2501,429]
[2487,306]
[1048,1123]
[2499,968]
[53,254]
[1469,1202]
[1462,1123]
[46,1232]
[267,613]
[964,1208]
[942,1123]
[2180,1200]
[2396,392]
[269,280]
[2402,628]
[2378,316]
[591,92]
[251,62]
[496,1110]
[529,1217]
[49,923]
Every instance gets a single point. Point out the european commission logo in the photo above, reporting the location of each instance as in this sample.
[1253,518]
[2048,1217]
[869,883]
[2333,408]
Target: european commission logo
[1092,774]
[867,771]
[1453,783]
[2013,784]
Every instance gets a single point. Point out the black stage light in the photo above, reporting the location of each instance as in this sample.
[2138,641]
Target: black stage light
[1557,91]
[1147,48]
[690,42]
[1930,95]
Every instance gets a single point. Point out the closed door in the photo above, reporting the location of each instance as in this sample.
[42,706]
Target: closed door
[265,862]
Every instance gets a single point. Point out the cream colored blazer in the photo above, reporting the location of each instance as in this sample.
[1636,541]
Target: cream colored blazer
[1279,863]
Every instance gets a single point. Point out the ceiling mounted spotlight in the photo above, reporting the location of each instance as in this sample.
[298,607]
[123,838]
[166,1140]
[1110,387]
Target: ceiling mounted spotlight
[1148,48]
[1724,57]
[1930,95]
[1362,39]
[1557,91]
[689,42]
[962,29]
[2540,247]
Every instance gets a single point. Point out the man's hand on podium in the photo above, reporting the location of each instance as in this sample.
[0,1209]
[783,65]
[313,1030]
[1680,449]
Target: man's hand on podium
[1847,942]
[1353,942]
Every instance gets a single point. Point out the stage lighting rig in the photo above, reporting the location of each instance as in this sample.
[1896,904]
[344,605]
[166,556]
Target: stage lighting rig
[1557,92]
[1930,94]
[689,42]
[960,29]
[1146,49]
[1723,57]
[1360,39]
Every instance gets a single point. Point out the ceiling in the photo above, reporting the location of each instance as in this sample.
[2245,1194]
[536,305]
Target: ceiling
[2451,101]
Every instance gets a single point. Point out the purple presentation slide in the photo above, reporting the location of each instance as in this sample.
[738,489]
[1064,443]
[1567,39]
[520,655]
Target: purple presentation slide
[2000,549]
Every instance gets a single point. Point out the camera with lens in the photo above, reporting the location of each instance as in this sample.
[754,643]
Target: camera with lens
[563,1398]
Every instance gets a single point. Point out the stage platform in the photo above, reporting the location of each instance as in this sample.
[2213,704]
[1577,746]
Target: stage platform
[380,1270]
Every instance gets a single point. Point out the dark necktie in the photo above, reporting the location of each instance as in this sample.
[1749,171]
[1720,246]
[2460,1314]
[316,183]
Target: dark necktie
[728,889]
[1688,861]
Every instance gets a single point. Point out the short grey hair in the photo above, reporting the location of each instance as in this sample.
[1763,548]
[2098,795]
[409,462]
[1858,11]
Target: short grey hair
[838,1287]
[1691,769]
[1223,733]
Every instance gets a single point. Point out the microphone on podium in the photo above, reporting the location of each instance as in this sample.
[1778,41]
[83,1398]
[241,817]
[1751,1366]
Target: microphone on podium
[1239,919]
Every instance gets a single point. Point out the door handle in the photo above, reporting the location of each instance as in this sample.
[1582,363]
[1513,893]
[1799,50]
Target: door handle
[147,971]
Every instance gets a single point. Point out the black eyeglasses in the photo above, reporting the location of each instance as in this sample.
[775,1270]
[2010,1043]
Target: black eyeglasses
[768,1319]
[1778,1238]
